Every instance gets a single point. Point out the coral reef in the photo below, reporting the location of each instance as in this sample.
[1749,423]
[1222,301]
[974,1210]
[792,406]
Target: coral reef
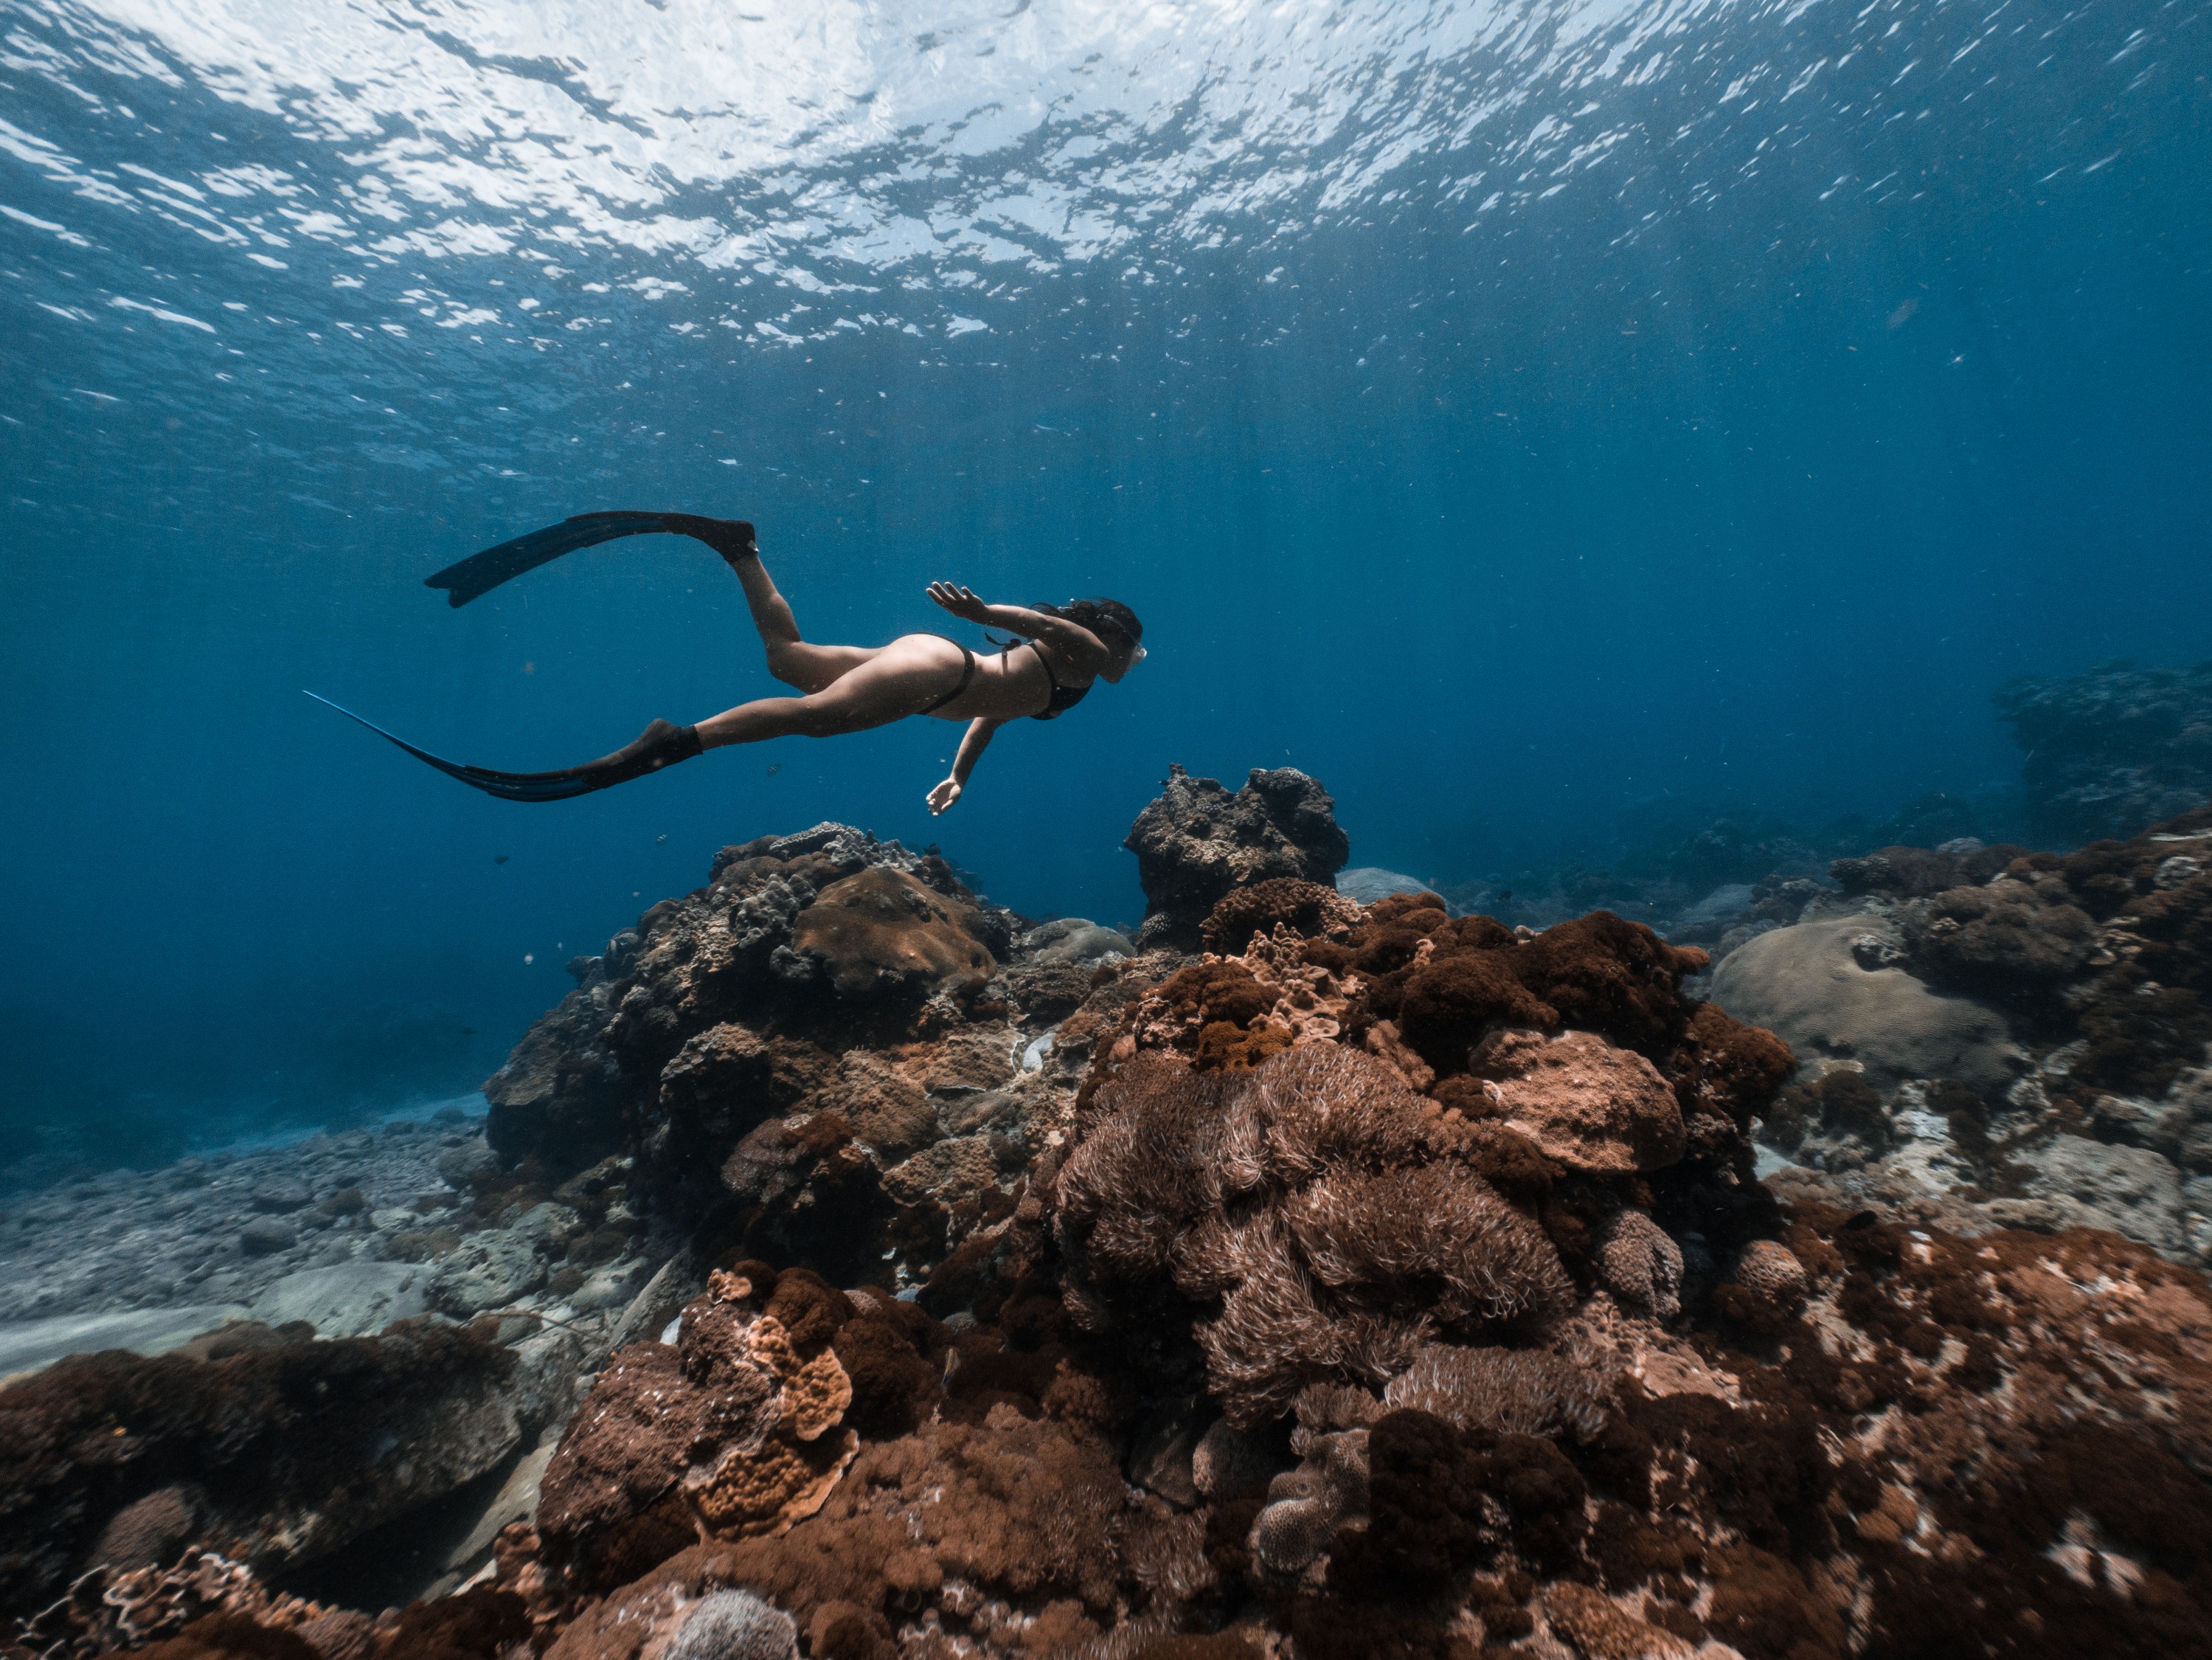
[2114,750]
[832,1052]
[1379,1282]
[1197,842]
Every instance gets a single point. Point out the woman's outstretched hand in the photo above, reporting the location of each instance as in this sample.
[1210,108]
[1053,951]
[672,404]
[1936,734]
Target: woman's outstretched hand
[961,603]
[944,796]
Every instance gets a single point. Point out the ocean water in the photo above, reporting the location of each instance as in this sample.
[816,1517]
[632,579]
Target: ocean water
[1527,418]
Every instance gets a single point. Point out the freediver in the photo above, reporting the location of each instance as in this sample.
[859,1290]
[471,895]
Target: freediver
[1058,652]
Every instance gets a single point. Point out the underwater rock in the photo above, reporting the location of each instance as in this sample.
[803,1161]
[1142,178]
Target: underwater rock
[736,1027]
[486,1271]
[347,1299]
[2114,750]
[281,1194]
[1810,984]
[2075,1182]
[266,1236]
[1196,840]
[558,1097]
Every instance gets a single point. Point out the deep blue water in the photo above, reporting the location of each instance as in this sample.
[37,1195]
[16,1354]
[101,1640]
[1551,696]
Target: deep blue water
[1513,415]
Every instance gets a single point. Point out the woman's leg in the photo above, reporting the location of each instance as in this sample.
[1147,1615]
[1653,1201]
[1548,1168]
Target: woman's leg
[790,659]
[895,681]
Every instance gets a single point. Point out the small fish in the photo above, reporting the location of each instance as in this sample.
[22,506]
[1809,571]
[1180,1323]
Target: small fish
[773,768]
[658,840]
[500,858]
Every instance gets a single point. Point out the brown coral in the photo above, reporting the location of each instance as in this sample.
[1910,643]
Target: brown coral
[734,1422]
[1352,1239]
[1309,909]
[1638,1261]
[1499,1391]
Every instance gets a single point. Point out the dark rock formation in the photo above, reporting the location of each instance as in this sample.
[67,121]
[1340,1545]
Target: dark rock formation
[2114,750]
[1196,841]
[278,1445]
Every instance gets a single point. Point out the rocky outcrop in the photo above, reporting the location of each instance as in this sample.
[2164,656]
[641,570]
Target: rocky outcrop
[1196,841]
[2114,750]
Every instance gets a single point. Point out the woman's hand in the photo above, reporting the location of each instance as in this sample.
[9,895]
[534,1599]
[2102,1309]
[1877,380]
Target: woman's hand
[944,796]
[961,602]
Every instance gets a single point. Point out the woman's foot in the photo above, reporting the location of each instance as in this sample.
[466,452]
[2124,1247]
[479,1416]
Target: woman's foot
[733,538]
[663,743]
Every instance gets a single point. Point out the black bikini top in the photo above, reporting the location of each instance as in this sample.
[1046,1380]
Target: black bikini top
[1063,698]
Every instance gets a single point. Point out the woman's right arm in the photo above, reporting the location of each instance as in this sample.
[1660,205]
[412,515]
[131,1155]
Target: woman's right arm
[1080,645]
[973,743]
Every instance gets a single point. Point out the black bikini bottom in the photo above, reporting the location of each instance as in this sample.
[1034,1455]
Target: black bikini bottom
[967,676]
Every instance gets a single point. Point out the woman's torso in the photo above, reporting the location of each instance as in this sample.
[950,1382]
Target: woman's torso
[1025,679]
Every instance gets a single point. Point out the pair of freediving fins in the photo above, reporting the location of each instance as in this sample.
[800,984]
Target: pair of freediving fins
[663,743]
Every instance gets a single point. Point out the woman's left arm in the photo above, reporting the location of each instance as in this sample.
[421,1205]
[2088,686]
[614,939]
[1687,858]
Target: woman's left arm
[973,743]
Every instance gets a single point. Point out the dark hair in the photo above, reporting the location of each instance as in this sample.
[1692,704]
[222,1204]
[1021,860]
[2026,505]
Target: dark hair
[1103,618]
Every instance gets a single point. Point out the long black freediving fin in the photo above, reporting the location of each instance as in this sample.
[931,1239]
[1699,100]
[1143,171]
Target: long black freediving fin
[663,743]
[480,573]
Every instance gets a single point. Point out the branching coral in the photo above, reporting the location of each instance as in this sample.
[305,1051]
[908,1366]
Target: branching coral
[108,1610]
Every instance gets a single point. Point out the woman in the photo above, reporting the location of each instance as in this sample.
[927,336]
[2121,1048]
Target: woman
[853,688]
[1064,648]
